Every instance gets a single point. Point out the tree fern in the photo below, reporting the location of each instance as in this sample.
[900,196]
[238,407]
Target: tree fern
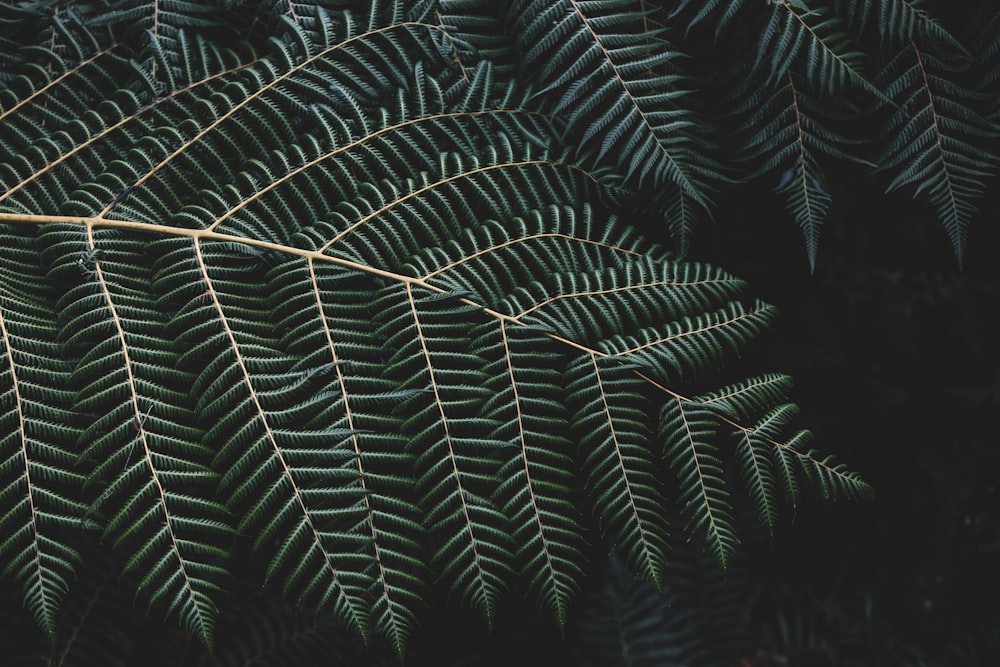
[352,302]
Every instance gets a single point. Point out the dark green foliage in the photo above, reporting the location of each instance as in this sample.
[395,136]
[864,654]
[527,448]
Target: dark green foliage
[938,145]
[788,134]
[344,300]
[614,83]
[630,623]
[40,488]
[817,80]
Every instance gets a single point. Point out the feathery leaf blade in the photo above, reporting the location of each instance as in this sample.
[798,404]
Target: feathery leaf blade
[687,430]
[39,488]
[941,144]
[613,429]
[538,481]
[348,297]
[617,78]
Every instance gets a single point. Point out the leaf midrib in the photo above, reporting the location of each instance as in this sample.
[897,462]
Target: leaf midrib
[189,589]
[18,400]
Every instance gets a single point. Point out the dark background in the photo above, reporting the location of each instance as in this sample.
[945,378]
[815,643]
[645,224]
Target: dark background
[893,347]
[894,351]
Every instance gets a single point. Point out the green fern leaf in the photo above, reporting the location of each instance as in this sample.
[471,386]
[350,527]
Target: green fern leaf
[476,32]
[769,461]
[682,215]
[818,41]
[454,446]
[687,431]
[833,479]
[785,136]
[354,308]
[142,437]
[898,21]
[39,492]
[613,429]
[537,492]
[754,446]
[684,347]
[614,80]
[748,402]
[744,401]
[722,11]
[938,145]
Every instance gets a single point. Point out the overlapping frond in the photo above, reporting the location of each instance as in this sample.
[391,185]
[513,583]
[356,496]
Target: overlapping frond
[785,135]
[721,11]
[476,31]
[630,622]
[688,429]
[537,473]
[771,463]
[897,21]
[941,144]
[354,307]
[616,85]
[681,213]
[817,39]
[39,490]
[141,439]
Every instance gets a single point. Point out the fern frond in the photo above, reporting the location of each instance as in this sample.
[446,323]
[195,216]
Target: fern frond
[722,11]
[537,492]
[687,431]
[361,310]
[752,450]
[615,84]
[613,426]
[833,479]
[142,439]
[629,622]
[253,392]
[39,489]
[681,214]
[793,457]
[745,400]
[155,15]
[477,32]
[785,135]
[455,448]
[769,460]
[898,21]
[939,140]
[818,42]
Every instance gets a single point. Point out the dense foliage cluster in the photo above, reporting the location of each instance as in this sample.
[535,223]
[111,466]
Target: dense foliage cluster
[314,315]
